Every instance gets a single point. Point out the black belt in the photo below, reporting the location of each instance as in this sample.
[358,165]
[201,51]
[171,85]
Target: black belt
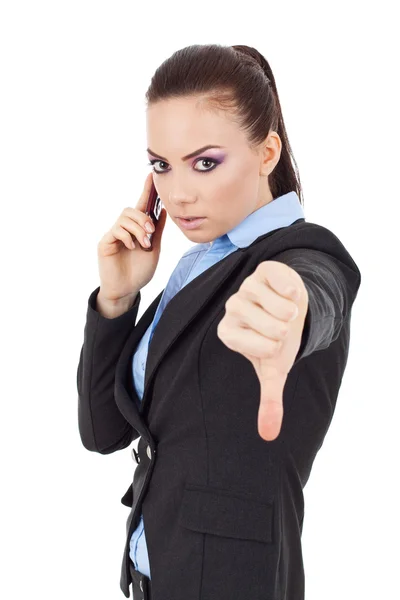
[141,584]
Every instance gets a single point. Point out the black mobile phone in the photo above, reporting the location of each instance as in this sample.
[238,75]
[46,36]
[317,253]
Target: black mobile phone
[153,208]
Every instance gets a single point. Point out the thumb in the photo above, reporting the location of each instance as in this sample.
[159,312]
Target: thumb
[270,415]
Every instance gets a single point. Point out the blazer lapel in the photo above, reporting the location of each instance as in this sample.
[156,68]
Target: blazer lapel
[176,316]
[183,308]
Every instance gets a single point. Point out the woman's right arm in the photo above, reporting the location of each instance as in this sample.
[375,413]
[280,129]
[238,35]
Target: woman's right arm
[125,267]
[102,427]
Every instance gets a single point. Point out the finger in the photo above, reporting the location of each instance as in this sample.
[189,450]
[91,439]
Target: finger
[262,294]
[144,197]
[246,340]
[246,313]
[117,233]
[272,383]
[270,414]
[135,229]
[284,281]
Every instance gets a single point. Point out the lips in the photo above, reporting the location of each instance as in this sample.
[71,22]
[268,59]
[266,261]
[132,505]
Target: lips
[192,223]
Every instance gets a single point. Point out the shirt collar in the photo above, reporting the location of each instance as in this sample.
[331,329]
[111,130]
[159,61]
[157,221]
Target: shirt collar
[280,212]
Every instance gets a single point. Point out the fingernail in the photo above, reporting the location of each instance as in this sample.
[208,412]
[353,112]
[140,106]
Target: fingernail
[149,227]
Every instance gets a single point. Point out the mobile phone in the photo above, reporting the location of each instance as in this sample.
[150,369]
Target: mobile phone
[153,207]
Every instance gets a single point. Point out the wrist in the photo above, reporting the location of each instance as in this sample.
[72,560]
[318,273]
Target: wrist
[114,308]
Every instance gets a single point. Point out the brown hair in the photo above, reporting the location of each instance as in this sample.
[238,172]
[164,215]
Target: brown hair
[237,79]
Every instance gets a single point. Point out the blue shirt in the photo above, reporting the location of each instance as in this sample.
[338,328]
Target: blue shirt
[280,212]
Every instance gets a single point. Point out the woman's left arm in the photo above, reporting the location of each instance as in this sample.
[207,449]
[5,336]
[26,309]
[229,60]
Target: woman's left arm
[259,321]
[332,288]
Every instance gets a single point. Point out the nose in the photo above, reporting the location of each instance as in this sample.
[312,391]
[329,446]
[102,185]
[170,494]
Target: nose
[178,194]
[178,199]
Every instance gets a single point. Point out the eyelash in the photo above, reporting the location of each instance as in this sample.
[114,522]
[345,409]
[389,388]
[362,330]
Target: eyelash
[216,163]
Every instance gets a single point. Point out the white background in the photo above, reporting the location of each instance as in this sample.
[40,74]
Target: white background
[72,142]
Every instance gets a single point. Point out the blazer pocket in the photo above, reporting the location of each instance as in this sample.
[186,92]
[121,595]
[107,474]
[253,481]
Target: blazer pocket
[226,513]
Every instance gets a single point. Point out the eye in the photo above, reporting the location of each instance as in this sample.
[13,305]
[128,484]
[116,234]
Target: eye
[204,160]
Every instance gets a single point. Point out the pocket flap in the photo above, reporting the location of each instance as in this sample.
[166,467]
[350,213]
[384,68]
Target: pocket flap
[223,512]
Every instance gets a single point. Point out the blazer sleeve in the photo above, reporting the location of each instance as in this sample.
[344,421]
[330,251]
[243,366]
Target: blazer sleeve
[332,287]
[102,427]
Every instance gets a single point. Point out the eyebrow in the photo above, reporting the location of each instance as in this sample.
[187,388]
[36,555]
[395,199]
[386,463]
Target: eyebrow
[191,155]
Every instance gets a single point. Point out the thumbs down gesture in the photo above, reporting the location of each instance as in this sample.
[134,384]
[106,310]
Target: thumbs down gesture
[264,321]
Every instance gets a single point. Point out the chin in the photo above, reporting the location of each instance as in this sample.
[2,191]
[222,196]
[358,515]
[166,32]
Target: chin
[200,238]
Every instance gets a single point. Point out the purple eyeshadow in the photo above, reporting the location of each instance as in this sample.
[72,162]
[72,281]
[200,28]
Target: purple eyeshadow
[210,154]
[219,156]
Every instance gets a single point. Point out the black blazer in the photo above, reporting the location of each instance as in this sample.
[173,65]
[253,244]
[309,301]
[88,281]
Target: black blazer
[223,509]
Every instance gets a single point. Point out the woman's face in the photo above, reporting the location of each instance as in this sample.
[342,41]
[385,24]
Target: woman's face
[224,184]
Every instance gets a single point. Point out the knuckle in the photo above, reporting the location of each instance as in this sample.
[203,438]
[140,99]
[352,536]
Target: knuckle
[260,266]
[233,304]
[247,285]
[228,303]
[293,311]
[283,331]
[263,266]
[221,331]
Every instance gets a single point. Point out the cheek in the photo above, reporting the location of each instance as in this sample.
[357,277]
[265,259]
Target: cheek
[236,184]
[239,174]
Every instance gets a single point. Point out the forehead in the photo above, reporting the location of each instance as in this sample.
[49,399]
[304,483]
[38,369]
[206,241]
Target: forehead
[188,119]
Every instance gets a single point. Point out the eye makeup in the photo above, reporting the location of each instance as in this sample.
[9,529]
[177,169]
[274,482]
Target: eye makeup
[215,161]
[205,159]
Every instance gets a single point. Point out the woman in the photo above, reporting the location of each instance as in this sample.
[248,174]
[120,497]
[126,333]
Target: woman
[229,380]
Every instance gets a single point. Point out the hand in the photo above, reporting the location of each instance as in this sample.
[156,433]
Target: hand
[125,266]
[258,323]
